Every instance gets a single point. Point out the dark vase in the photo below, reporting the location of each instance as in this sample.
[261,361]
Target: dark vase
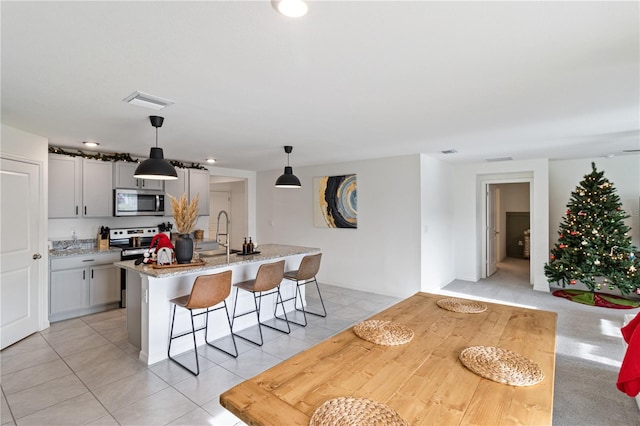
[184,248]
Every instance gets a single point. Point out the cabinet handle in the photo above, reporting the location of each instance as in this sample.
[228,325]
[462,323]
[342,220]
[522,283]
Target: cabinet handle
[76,210]
[85,210]
[89,260]
[84,275]
[92,274]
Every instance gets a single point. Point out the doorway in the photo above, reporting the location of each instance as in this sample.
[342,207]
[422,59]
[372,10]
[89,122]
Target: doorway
[506,221]
[231,195]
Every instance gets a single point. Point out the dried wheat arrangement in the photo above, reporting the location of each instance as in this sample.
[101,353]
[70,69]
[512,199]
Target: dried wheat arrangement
[185,214]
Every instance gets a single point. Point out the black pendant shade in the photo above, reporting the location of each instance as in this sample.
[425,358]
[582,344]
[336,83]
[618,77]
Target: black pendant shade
[288,179]
[156,167]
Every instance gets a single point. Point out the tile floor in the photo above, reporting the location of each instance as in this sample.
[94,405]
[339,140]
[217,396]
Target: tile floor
[83,371]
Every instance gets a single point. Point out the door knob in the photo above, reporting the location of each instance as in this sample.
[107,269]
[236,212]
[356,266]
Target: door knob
[37,256]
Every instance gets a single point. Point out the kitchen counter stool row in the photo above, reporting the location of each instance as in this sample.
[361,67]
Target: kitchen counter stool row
[209,294]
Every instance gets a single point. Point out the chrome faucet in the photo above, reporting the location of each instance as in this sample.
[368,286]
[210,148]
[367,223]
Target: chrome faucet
[228,243]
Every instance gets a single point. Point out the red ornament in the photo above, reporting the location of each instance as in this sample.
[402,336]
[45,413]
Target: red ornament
[562,246]
[568,211]
[573,232]
[572,282]
[581,213]
[552,257]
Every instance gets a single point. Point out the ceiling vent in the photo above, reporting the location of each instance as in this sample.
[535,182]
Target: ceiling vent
[147,101]
[449,151]
[494,160]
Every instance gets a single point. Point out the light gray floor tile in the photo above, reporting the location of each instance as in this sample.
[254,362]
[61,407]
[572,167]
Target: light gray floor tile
[251,363]
[72,331]
[34,376]
[129,390]
[104,316]
[109,371]
[198,417]
[172,373]
[222,416]
[80,410]
[5,412]
[107,420]
[60,326]
[79,344]
[45,395]
[158,409]
[116,323]
[28,344]
[13,363]
[91,357]
[286,346]
[207,385]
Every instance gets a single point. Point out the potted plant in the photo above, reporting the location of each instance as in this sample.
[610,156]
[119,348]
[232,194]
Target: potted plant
[185,215]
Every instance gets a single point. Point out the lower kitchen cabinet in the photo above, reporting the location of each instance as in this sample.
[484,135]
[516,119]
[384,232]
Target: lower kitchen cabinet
[81,285]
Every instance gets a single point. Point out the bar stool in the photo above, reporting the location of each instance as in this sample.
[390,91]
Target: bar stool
[267,282]
[208,291]
[306,273]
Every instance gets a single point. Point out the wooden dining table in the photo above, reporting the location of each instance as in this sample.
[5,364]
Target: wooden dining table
[423,380]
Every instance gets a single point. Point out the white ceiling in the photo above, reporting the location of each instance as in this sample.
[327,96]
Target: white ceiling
[351,80]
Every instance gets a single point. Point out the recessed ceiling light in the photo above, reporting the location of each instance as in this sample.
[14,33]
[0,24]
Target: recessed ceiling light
[291,8]
[91,144]
[449,151]
[148,101]
[493,160]
[211,160]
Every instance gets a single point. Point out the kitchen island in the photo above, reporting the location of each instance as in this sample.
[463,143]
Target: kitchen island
[149,290]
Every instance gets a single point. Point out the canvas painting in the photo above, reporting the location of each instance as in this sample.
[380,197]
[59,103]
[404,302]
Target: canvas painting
[335,202]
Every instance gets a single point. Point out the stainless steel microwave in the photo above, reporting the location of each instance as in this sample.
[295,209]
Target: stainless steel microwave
[138,202]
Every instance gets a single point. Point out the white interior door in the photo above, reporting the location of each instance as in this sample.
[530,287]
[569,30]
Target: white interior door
[19,257]
[492,231]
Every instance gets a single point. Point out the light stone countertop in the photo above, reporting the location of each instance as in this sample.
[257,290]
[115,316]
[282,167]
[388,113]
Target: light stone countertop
[79,251]
[267,251]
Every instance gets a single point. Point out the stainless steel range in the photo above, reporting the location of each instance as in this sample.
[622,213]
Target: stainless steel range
[134,242]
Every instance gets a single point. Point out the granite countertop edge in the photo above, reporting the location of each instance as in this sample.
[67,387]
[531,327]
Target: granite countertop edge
[267,251]
[81,251]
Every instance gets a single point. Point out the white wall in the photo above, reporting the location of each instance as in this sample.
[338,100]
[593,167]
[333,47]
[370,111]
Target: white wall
[17,144]
[622,171]
[468,213]
[438,250]
[383,254]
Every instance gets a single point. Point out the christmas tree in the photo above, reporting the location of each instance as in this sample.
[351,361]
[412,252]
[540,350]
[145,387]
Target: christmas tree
[593,243]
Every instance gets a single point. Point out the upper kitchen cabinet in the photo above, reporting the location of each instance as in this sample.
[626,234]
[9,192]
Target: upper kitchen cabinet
[65,186]
[79,187]
[199,184]
[190,182]
[123,177]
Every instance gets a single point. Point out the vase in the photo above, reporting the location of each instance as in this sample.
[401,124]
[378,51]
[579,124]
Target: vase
[184,248]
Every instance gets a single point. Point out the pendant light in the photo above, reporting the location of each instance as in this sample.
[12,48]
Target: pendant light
[156,167]
[288,179]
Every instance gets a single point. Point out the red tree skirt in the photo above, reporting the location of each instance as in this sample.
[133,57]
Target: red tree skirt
[597,299]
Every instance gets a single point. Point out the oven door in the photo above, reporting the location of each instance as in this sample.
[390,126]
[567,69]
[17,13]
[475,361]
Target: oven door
[137,202]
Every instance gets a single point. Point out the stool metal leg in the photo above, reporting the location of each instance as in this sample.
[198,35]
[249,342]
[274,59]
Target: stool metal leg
[195,347]
[324,310]
[206,332]
[256,310]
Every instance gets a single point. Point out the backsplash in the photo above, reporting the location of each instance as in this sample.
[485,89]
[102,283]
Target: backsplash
[79,244]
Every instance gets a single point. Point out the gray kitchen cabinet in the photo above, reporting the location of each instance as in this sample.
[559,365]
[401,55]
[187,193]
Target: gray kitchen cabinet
[65,186]
[199,185]
[176,188]
[123,177]
[79,187]
[81,285]
[190,182]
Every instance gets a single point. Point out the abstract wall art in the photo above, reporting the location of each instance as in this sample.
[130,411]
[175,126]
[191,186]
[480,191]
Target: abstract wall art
[335,202]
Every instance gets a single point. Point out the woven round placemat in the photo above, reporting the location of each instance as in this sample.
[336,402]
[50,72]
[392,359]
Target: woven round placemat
[461,305]
[386,333]
[501,365]
[348,411]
